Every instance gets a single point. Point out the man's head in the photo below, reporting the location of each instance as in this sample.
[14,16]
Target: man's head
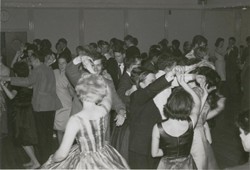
[99,62]
[166,62]
[62,42]
[231,41]
[119,53]
[36,59]
[199,41]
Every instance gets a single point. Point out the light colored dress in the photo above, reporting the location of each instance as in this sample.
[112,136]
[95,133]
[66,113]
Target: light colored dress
[201,149]
[220,64]
[62,91]
[91,150]
[4,71]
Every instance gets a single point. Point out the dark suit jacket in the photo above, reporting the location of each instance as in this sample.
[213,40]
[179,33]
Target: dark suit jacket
[73,74]
[113,70]
[42,79]
[231,61]
[148,65]
[144,115]
[67,53]
[124,85]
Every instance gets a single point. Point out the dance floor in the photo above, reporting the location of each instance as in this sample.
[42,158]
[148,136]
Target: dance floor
[226,142]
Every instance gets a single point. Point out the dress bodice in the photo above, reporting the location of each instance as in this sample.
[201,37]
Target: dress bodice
[91,136]
[176,147]
[23,97]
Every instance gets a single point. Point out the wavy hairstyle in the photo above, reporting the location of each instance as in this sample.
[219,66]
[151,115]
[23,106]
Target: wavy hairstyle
[92,88]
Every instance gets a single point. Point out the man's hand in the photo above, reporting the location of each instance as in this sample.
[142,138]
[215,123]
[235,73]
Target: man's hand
[120,118]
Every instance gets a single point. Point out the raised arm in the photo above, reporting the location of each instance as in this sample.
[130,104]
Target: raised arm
[218,109]
[197,102]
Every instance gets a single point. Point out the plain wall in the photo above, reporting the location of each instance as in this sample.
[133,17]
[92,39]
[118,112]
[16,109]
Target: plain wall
[82,26]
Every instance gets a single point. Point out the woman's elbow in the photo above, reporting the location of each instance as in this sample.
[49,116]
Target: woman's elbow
[154,154]
[59,157]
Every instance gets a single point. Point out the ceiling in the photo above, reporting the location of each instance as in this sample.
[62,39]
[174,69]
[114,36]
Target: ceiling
[161,4]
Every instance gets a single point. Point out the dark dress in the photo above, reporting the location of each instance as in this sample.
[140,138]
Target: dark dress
[176,150]
[25,129]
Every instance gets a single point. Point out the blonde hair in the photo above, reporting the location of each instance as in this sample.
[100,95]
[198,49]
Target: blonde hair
[92,88]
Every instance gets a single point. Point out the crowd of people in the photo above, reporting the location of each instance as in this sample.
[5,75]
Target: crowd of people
[112,106]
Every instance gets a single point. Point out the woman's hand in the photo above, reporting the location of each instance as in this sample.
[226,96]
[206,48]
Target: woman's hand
[181,79]
[87,63]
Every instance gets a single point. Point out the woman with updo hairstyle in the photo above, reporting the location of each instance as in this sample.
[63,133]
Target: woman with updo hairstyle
[25,128]
[172,138]
[91,88]
[201,150]
[89,128]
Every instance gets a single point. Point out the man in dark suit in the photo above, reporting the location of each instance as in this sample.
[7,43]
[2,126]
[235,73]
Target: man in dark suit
[232,68]
[125,81]
[65,50]
[115,66]
[144,115]
[44,101]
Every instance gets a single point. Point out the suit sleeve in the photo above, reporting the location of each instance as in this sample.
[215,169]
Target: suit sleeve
[123,86]
[144,95]
[117,103]
[73,73]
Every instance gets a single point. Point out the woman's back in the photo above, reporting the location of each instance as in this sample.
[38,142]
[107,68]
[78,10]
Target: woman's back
[91,136]
[176,146]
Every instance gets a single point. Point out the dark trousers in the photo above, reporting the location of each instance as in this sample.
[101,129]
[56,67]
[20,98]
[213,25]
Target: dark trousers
[44,123]
[140,161]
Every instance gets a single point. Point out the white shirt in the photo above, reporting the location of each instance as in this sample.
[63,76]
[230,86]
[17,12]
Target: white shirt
[161,98]
[121,66]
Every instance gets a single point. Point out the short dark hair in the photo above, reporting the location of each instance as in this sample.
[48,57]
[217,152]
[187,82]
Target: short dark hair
[21,69]
[242,121]
[138,75]
[32,47]
[154,51]
[128,38]
[198,39]
[39,55]
[79,47]
[217,42]
[93,44]
[163,42]
[38,41]
[179,104]
[166,60]
[45,43]
[232,38]
[176,43]
[63,40]
[118,48]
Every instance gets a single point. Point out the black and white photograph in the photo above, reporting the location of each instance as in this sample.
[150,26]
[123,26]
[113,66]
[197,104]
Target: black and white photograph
[125,84]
